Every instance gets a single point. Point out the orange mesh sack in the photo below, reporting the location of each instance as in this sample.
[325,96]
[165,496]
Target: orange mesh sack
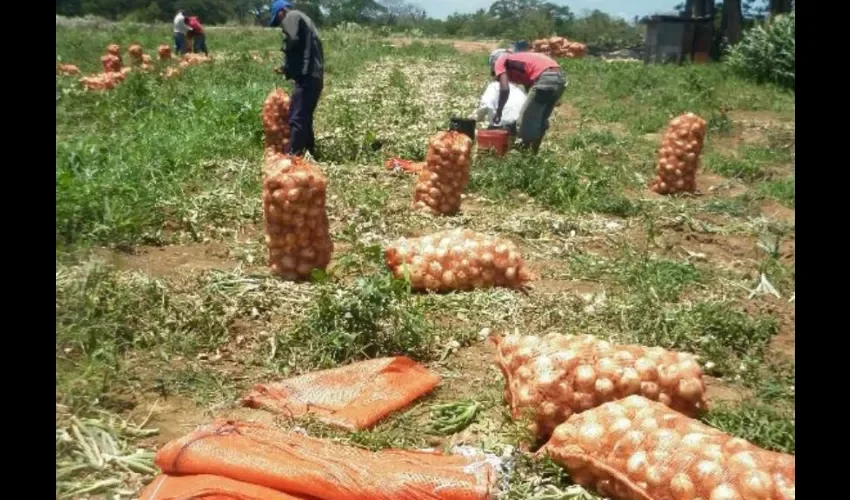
[297,228]
[637,449]
[208,487]
[136,53]
[111,63]
[114,49]
[354,396]
[323,470]
[457,260]
[555,376]
[678,158]
[446,173]
[164,52]
[275,116]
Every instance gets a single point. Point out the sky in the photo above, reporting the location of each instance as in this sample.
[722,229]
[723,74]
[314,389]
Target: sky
[624,8]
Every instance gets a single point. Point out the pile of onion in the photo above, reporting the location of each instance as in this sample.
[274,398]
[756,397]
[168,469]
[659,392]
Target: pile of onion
[171,72]
[558,375]
[678,158]
[164,52]
[67,70]
[457,260]
[136,53]
[559,47]
[441,183]
[297,228]
[275,116]
[636,448]
[111,63]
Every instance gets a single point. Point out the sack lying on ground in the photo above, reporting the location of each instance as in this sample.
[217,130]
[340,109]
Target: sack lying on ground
[323,470]
[457,260]
[678,158]
[275,117]
[555,376]
[441,183]
[354,396]
[296,221]
[637,449]
[409,166]
[208,487]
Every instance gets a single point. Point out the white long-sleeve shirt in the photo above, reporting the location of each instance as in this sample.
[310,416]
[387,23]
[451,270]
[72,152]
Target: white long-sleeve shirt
[180,24]
[490,103]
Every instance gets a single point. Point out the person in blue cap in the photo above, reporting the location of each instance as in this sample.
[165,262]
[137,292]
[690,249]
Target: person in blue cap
[304,64]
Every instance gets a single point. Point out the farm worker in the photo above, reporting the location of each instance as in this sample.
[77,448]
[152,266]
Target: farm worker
[490,103]
[196,33]
[180,30]
[543,79]
[304,64]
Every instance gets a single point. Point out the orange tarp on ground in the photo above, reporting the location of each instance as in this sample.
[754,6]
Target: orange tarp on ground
[354,396]
[301,465]
[207,487]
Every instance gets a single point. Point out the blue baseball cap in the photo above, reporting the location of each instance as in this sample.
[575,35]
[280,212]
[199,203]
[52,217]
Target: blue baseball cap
[278,6]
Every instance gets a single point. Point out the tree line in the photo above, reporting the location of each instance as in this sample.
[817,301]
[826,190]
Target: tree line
[504,19]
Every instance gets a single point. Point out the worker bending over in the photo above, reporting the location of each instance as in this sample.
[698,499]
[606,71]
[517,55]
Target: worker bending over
[543,79]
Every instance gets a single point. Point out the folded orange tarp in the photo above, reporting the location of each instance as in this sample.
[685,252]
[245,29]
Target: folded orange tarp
[300,465]
[354,396]
[207,487]
[405,165]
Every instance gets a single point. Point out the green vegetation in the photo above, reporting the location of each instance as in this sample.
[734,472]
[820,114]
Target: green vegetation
[164,306]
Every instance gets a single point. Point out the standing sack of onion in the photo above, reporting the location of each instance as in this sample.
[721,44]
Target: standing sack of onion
[678,158]
[457,260]
[136,54]
[111,63]
[297,230]
[164,52]
[275,116]
[637,449]
[441,183]
[555,376]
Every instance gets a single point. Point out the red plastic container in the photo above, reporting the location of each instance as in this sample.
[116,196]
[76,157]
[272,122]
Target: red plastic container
[493,139]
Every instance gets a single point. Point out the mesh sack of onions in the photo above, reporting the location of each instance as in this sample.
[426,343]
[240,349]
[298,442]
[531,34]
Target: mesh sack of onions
[441,183]
[297,229]
[111,63]
[635,448]
[67,69]
[164,52]
[555,376]
[275,117]
[136,53]
[678,158]
[457,260]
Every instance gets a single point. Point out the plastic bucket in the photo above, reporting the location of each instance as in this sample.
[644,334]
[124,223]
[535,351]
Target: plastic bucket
[496,139]
[465,126]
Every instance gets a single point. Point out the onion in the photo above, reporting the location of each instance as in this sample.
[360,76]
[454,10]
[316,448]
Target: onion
[604,389]
[682,488]
[590,435]
[657,475]
[646,368]
[583,401]
[736,445]
[707,474]
[609,368]
[630,381]
[636,466]
[724,492]
[620,427]
[742,461]
[690,389]
[649,389]
[756,485]
[668,376]
[585,377]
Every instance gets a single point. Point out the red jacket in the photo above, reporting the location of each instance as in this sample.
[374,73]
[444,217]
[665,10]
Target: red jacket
[195,26]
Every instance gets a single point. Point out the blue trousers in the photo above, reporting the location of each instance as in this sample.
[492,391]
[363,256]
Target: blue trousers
[199,43]
[179,43]
[302,106]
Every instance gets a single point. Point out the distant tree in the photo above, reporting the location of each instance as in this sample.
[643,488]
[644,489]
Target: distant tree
[731,23]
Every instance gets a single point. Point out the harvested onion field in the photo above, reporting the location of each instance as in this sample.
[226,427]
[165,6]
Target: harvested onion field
[166,313]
